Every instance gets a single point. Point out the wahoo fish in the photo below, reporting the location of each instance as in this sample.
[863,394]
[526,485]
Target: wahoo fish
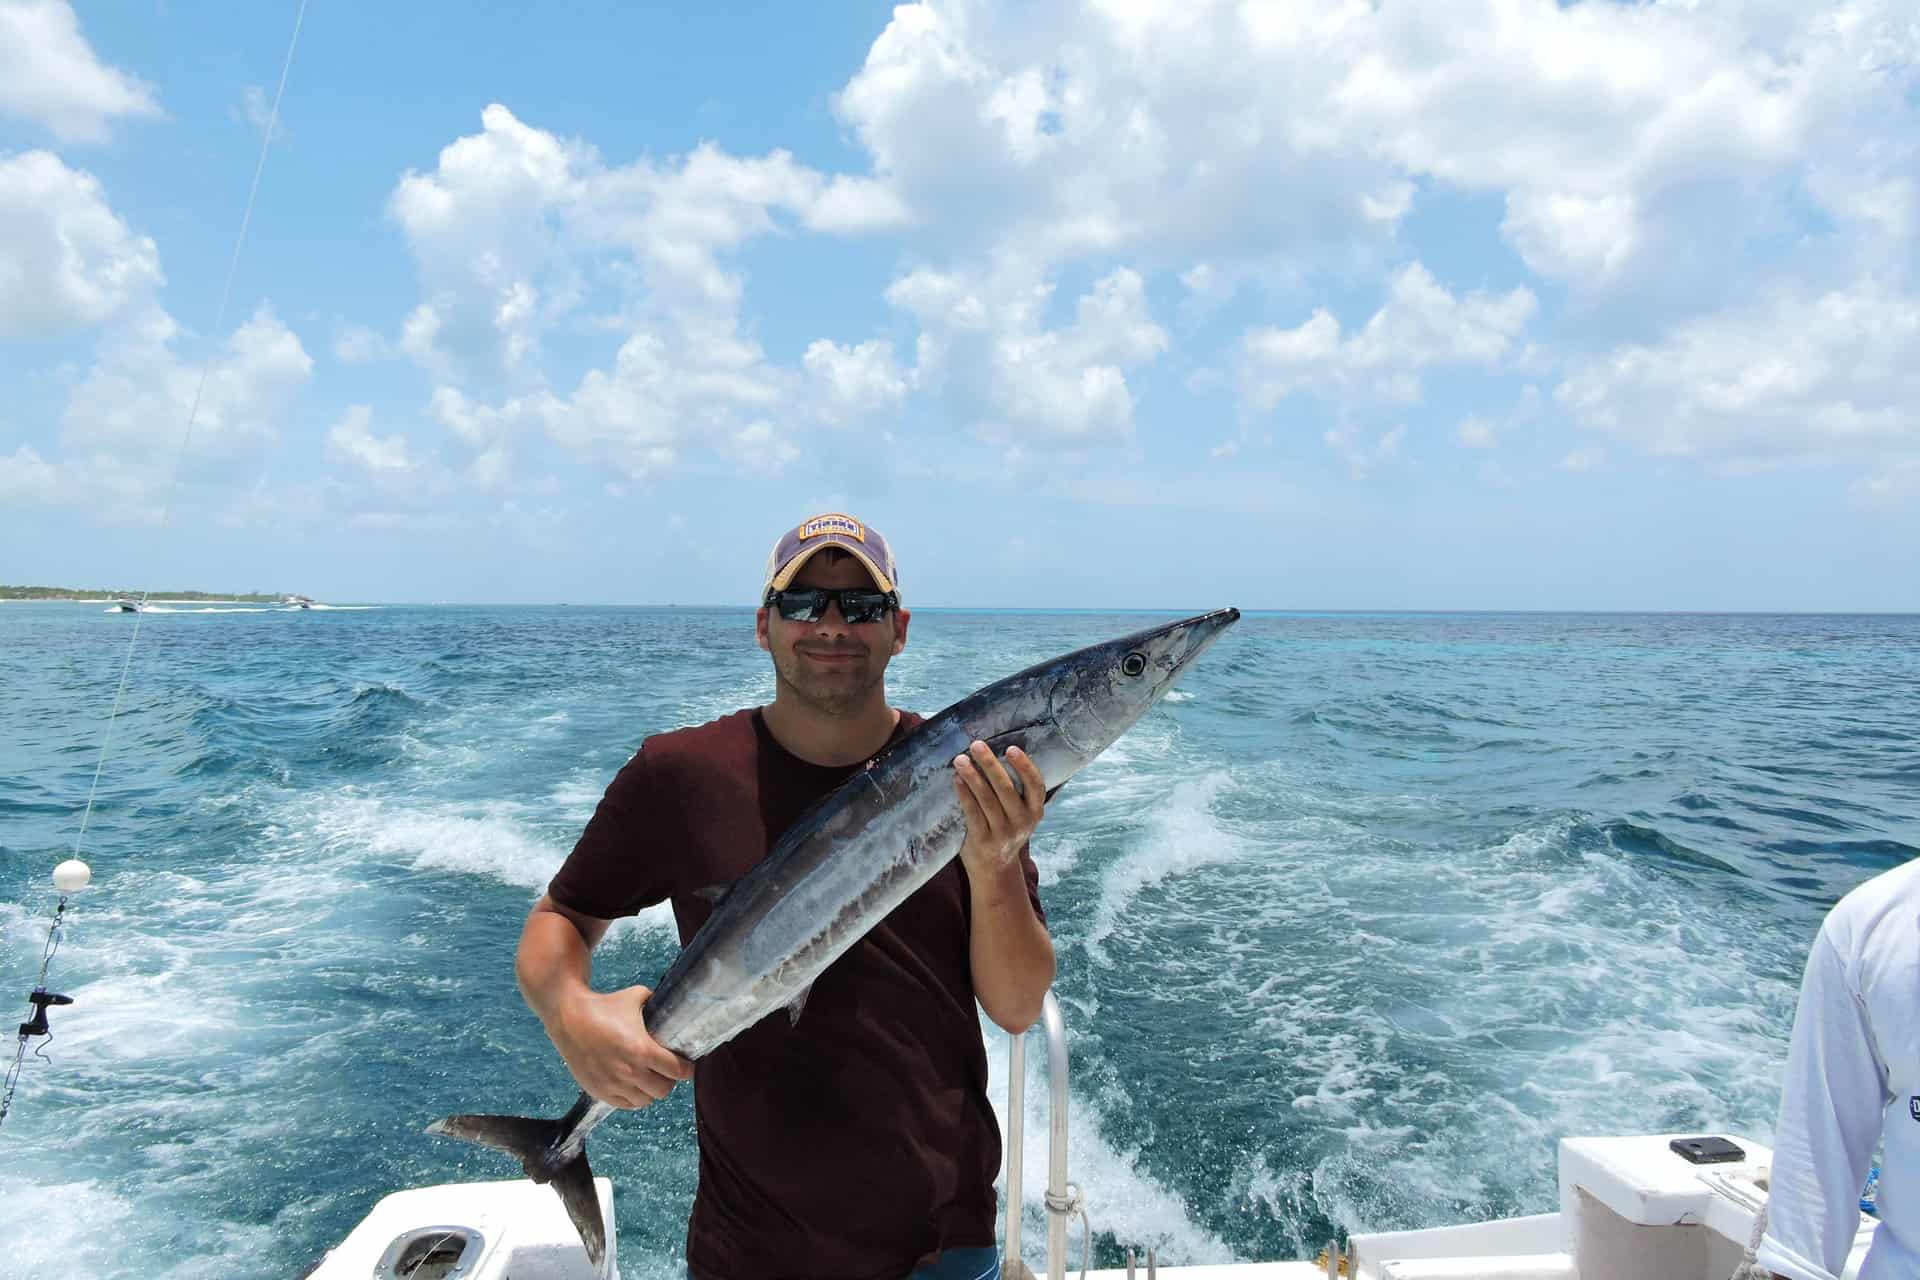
[847,862]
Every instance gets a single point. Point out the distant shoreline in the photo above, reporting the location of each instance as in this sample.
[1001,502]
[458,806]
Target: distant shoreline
[90,595]
[136,596]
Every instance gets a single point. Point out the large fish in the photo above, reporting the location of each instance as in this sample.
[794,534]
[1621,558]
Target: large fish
[846,863]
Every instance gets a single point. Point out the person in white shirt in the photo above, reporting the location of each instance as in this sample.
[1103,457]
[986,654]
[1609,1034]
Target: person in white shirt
[1853,1080]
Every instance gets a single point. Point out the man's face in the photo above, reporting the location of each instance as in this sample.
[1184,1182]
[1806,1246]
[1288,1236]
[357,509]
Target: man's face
[828,664]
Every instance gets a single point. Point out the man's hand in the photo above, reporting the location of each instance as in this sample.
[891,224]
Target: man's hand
[606,1047]
[999,819]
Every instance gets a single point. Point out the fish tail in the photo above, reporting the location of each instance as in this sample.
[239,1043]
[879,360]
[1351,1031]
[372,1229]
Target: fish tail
[534,1142]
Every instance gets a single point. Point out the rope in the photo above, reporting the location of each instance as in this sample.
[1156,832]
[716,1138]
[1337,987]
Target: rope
[193,413]
[1750,1268]
[1074,1202]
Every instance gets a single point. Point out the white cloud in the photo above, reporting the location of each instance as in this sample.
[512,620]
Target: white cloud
[1639,149]
[1894,483]
[985,350]
[357,344]
[762,447]
[50,76]
[513,221]
[136,399]
[506,225]
[256,108]
[1363,455]
[1157,131]
[351,440]
[1475,432]
[67,261]
[1832,374]
[1419,326]
[1636,155]
[857,380]
[25,477]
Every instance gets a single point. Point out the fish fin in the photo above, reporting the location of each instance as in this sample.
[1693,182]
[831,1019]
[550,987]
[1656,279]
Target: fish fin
[714,892]
[1051,794]
[796,1004]
[574,1181]
[524,1137]
[531,1141]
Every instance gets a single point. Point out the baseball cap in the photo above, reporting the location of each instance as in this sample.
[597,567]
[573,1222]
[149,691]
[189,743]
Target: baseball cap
[831,529]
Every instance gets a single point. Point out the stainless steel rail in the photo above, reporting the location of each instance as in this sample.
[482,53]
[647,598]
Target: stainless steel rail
[1062,1197]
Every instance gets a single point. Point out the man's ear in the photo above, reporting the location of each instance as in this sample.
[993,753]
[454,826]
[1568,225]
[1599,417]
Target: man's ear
[901,617]
[760,629]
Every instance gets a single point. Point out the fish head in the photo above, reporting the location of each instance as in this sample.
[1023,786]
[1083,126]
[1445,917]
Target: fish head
[1064,712]
[1093,695]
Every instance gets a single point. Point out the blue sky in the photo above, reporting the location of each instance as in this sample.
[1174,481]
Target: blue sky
[1471,304]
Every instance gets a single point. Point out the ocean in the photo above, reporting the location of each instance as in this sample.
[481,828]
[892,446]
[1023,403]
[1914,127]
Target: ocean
[1353,927]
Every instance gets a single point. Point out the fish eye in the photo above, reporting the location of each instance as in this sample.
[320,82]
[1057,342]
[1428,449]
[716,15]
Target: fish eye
[1133,664]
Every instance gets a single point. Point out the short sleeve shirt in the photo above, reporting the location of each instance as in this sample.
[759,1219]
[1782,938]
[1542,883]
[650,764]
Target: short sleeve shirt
[858,1141]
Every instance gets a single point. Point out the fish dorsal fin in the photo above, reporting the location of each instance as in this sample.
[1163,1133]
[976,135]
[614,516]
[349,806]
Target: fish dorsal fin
[796,1004]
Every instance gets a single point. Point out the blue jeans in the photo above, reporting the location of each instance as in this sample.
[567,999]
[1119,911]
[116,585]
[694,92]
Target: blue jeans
[954,1264]
[961,1264]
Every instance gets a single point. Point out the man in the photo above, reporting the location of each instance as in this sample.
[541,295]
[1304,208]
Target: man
[856,1142]
[1853,1080]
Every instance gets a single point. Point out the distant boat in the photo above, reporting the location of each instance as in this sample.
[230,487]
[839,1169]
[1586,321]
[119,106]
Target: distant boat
[298,602]
[127,604]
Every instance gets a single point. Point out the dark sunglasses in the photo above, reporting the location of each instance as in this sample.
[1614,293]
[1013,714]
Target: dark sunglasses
[809,604]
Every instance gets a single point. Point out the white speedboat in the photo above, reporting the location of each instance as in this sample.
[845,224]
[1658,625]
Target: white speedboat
[1631,1208]
[127,604]
[297,602]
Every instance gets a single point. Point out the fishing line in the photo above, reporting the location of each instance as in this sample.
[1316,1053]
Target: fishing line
[36,1025]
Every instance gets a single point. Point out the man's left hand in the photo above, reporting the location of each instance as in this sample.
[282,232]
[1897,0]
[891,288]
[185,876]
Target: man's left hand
[1000,819]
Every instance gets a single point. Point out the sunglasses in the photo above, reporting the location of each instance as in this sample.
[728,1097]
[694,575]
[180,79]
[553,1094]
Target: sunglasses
[809,604]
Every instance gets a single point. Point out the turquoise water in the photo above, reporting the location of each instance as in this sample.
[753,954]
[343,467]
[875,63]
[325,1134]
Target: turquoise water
[1351,929]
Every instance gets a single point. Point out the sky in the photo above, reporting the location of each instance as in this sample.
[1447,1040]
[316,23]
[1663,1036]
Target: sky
[1464,304]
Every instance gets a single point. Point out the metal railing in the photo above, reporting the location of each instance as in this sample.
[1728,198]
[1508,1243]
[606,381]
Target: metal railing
[1063,1198]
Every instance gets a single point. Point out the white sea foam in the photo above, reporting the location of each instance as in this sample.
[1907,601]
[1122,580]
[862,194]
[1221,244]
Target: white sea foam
[1119,1197]
[1179,837]
[476,839]
[576,797]
[1486,998]
[83,1228]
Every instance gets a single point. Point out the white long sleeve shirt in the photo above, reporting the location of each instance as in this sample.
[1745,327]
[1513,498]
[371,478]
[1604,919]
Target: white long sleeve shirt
[1853,1079]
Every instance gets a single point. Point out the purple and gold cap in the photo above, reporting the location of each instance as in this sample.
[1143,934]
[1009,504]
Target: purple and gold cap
[797,546]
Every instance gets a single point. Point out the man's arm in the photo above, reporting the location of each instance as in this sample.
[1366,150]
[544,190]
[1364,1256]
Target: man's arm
[1011,954]
[1830,1112]
[600,1036]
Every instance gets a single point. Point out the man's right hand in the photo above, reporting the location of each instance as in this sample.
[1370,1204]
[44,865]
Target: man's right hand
[605,1045]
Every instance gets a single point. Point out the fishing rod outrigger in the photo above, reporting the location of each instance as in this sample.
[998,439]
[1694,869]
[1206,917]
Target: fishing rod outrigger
[69,877]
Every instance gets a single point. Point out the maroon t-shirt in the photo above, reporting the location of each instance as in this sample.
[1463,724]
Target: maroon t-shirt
[854,1144]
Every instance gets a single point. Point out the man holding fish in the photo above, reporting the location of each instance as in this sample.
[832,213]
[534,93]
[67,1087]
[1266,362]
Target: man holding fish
[856,1139]
[863,870]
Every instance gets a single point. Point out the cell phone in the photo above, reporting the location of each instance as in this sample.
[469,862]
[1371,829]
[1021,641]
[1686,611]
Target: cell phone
[1707,1150]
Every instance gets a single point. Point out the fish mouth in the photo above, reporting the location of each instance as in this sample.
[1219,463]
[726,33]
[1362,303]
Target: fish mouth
[1200,633]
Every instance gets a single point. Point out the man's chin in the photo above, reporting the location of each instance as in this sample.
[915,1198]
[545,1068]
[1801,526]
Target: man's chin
[835,697]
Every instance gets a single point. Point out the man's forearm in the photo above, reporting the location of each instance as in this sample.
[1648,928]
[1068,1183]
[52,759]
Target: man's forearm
[1012,956]
[553,963]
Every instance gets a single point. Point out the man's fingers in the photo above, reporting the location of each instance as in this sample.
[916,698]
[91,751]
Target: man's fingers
[1033,797]
[997,778]
[666,1064]
[969,802]
[986,806]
